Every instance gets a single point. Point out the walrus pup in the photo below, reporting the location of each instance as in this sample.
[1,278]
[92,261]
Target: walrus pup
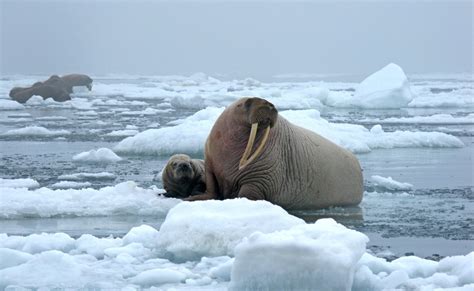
[253,152]
[73,80]
[183,177]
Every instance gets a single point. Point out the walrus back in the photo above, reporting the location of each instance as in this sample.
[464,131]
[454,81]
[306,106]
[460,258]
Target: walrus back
[326,174]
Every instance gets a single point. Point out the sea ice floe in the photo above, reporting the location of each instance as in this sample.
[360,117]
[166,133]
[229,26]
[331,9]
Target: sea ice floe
[432,119]
[147,111]
[88,176]
[214,228]
[122,199]
[322,255]
[19,183]
[390,184]
[70,185]
[386,88]
[458,98]
[102,155]
[123,133]
[189,135]
[273,251]
[35,131]
[10,105]
[413,273]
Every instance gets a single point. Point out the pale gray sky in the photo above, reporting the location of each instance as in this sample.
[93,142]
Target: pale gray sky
[234,38]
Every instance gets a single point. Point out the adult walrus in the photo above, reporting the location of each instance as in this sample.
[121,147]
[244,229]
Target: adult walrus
[73,80]
[22,95]
[290,166]
[183,177]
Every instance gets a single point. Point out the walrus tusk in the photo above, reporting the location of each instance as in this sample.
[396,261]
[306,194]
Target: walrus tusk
[248,149]
[244,161]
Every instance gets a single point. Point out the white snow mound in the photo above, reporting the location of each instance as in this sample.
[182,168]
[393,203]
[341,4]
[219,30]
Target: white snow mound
[122,199]
[323,254]
[213,228]
[102,155]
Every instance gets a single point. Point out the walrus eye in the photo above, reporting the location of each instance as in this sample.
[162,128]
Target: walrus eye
[247,104]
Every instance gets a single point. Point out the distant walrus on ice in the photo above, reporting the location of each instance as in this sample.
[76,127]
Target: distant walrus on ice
[290,166]
[40,89]
[73,80]
[183,177]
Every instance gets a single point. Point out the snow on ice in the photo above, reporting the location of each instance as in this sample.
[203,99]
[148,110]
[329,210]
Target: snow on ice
[88,176]
[19,183]
[220,227]
[273,251]
[122,199]
[390,184]
[102,155]
[195,129]
[35,131]
[10,105]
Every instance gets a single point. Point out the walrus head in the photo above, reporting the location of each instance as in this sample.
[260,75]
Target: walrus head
[180,167]
[256,112]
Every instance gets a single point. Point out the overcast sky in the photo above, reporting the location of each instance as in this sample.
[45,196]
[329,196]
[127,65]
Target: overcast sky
[234,38]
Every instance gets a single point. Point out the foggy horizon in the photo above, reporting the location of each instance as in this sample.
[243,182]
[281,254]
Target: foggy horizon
[260,39]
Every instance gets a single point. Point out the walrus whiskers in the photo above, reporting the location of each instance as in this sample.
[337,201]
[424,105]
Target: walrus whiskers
[244,161]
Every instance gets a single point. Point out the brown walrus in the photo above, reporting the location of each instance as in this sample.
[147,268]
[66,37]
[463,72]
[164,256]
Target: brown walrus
[73,80]
[290,166]
[183,177]
[40,89]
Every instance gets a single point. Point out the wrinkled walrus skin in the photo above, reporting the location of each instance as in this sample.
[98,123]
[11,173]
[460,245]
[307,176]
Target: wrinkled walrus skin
[296,168]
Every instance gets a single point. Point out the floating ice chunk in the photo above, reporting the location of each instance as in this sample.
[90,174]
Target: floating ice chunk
[456,98]
[222,271]
[147,111]
[190,134]
[88,113]
[19,183]
[187,137]
[123,133]
[413,273]
[88,176]
[312,97]
[10,258]
[156,277]
[95,246]
[51,268]
[51,118]
[102,155]
[70,185]
[432,119]
[386,88]
[214,228]
[10,105]
[323,254]
[35,131]
[37,243]
[390,184]
[132,249]
[122,199]
[144,234]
